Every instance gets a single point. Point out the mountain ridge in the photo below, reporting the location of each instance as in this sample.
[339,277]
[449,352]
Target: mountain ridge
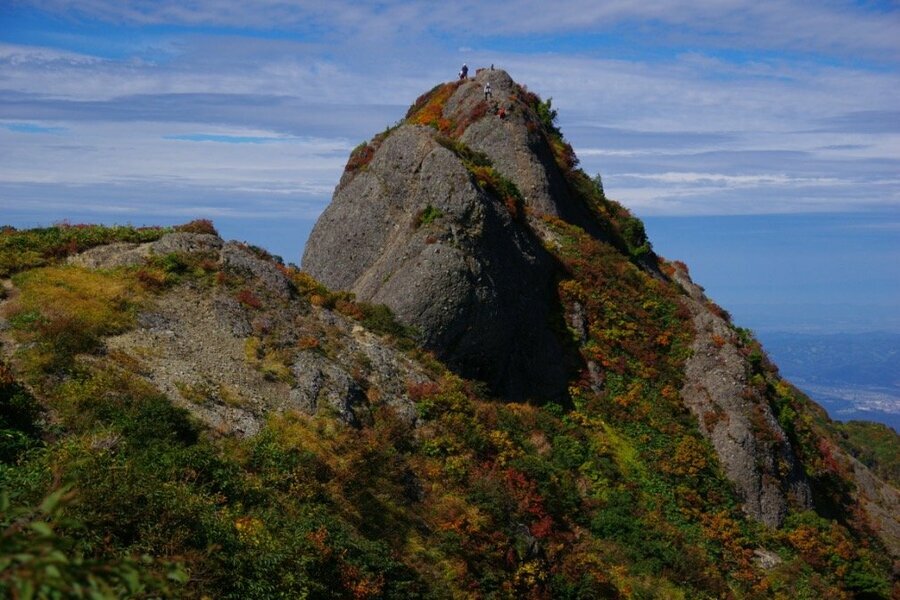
[581,420]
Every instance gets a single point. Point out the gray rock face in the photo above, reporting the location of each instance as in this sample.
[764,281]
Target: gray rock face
[515,144]
[477,284]
[200,337]
[187,243]
[111,256]
[237,258]
[323,383]
[751,445]
[517,147]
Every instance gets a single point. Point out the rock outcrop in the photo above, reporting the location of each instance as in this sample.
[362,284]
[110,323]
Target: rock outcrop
[752,447]
[231,363]
[414,230]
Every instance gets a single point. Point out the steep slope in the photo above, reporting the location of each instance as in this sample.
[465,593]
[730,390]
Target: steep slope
[515,157]
[754,450]
[476,280]
[438,208]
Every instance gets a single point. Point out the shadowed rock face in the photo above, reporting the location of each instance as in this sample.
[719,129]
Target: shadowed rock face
[415,232]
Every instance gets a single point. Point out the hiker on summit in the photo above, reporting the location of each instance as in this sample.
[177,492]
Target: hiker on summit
[464,72]
[487,91]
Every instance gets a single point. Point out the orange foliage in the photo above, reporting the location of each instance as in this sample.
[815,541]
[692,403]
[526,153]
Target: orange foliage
[429,108]
[152,279]
[350,309]
[724,529]
[308,342]
[689,458]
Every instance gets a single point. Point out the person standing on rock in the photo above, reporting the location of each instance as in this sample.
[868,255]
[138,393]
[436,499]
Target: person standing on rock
[487,91]
[464,72]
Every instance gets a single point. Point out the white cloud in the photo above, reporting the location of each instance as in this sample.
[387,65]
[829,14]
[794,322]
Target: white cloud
[733,181]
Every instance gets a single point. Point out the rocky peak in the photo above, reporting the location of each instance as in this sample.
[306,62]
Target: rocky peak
[435,228]
[477,229]
[517,143]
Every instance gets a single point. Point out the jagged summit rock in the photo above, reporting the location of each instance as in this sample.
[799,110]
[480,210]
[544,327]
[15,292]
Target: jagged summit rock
[430,219]
[517,144]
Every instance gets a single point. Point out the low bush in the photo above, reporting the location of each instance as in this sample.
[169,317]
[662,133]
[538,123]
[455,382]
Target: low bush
[198,226]
[428,215]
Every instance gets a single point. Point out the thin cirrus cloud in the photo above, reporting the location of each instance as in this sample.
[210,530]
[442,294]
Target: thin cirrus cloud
[823,26]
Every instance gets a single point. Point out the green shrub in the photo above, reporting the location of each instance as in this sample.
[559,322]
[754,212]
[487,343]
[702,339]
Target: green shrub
[547,115]
[428,215]
[464,152]
[26,249]
[875,445]
[39,558]
[635,236]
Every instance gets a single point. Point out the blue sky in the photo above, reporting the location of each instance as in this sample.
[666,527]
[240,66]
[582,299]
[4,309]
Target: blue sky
[760,140]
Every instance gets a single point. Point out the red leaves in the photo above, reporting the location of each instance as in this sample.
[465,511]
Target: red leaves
[198,226]
[248,298]
[529,501]
[420,391]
